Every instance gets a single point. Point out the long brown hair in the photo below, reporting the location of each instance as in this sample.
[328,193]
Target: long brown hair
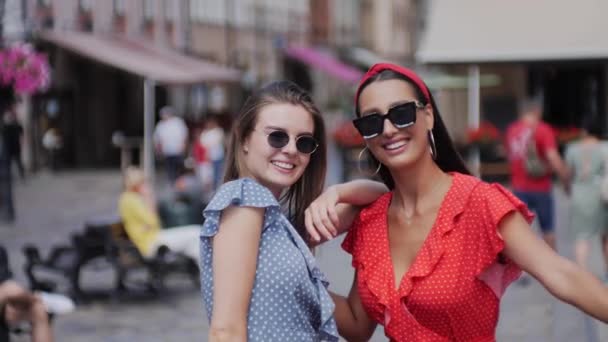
[448,159]
[299,196]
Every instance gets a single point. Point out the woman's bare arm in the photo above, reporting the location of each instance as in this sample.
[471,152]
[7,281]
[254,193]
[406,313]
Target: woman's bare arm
[560,276]
[235,252]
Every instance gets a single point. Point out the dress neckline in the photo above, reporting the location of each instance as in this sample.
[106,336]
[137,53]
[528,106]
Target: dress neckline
[425,245]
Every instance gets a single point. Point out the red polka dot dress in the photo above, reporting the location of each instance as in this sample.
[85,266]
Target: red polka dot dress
[452,290]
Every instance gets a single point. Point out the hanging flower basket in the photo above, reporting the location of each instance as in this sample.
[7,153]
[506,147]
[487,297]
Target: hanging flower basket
[23,71]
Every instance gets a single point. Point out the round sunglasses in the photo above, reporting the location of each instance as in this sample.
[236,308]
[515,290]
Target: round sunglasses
[306,144]
[401,116]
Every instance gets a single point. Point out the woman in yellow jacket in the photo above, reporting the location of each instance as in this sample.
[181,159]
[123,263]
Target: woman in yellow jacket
[138,212]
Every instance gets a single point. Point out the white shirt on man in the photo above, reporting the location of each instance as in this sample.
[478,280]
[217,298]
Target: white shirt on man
[213,140]
[171,134]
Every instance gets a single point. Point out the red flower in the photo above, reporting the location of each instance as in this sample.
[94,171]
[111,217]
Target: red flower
[566,134]
[486,133]
[346,135]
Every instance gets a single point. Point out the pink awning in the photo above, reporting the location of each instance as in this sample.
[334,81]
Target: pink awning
[143,59]
[324,62]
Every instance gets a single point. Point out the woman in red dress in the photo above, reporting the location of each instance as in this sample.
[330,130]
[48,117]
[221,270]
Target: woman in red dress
[435,254]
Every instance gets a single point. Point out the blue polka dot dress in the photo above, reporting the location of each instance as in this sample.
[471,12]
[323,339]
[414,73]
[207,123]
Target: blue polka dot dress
[289,299]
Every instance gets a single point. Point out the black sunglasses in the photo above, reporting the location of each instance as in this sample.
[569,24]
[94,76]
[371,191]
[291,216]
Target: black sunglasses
[306,144]
[401,116]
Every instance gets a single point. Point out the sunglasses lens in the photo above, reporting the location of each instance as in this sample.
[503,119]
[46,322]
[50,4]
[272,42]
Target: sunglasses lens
[403,115]
[278,139]
[306,144]
[369,126]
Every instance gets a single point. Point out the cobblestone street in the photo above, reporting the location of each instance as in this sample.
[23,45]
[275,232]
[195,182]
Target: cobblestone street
[51,206]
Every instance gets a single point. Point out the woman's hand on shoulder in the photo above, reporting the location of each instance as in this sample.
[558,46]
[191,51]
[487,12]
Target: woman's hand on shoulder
[334,211]
[321,217]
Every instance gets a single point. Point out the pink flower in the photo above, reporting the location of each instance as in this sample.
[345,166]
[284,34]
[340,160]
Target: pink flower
[23,68]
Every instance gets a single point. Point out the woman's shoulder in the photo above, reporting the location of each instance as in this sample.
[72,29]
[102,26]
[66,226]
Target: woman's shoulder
[468,188]
[572,146]
[379,206]
[495,200]
[242,192]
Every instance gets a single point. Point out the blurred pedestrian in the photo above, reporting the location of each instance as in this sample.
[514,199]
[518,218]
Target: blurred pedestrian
[185,203]
[434,256]
[18,305]
[13,139]
[52,142]
[533,156]
[138,211]
[170,140]
[212,139]
[203,167]
[587,160]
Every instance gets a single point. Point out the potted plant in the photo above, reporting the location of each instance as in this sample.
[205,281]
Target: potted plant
[565,135]
[486,138]
[22,71]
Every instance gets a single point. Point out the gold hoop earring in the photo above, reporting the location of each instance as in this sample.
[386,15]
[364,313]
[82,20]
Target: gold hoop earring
[433,147]
[359,163]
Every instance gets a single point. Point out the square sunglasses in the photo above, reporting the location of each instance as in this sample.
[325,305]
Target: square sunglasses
[401,116]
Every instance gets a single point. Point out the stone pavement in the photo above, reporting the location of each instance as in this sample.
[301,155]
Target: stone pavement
[51,206]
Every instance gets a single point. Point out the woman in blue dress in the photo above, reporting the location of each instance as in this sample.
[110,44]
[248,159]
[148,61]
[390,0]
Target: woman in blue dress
[259,279]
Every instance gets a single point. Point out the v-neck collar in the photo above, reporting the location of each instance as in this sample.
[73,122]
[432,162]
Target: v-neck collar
[431,250]
[387,244]
[380,280]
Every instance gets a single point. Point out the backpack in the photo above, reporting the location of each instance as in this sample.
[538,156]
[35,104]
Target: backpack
[534,165]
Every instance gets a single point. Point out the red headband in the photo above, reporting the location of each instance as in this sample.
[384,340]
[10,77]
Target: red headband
[378,68]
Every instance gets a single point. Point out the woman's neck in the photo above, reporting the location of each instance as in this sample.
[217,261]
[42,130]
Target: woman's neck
[589,139]
[417,187]
[277,192]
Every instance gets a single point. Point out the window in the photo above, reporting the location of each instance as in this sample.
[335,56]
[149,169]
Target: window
[196,9]
[149,9]
[171,10]
[119,7]
[85,5]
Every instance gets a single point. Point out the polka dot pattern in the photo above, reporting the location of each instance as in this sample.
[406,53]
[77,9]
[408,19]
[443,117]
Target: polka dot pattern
[452,290]
[289,299]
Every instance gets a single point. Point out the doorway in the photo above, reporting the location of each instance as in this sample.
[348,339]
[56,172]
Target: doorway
[571,93]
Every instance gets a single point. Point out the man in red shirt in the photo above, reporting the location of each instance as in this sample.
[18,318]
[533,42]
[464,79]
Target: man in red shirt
[535,190]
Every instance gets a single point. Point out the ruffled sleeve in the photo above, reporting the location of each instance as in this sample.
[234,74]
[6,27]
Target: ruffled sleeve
[243,192]
[365,241]
[328,330]
[495,269]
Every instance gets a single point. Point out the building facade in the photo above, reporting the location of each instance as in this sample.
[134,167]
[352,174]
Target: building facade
[390,28]
[248,34]
[101,54]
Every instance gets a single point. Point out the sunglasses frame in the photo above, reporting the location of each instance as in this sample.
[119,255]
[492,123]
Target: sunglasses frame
[296,140]
[387,116]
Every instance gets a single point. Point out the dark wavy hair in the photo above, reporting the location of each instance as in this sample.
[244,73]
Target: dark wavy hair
[593,126]
[448,159]
[310,185]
